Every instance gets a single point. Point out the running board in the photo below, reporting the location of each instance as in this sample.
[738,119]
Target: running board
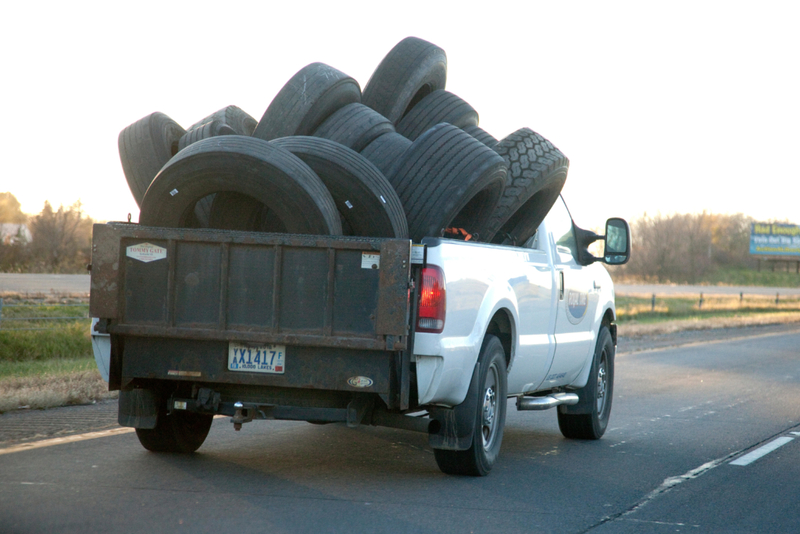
[546,402]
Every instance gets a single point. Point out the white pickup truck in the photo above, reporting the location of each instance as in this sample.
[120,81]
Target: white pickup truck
[431,337]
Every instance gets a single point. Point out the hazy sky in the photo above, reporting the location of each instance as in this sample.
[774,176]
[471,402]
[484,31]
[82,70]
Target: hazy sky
[661,107]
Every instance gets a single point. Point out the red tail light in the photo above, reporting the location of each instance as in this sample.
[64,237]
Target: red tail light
[432,301]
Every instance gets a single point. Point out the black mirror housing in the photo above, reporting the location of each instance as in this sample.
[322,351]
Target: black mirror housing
[617,250]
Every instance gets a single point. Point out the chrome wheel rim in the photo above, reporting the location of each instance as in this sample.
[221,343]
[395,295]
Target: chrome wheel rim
[602,382]
[489,408]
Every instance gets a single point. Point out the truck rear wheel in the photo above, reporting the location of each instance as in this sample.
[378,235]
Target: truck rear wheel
[597,393]
[490,417]
[179,431]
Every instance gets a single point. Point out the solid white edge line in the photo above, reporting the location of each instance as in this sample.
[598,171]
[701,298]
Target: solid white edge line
[761,451]
[67,439]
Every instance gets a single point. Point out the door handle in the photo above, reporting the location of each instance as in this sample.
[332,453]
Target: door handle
[561,285]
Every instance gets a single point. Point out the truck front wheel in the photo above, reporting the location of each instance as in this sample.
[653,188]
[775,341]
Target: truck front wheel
[490,417]
[597,394]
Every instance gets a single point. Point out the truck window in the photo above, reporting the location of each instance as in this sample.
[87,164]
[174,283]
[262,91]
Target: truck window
[559,223]
[533,242]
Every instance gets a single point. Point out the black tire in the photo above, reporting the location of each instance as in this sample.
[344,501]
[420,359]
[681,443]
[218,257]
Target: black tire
[308,98]
[365,198]
[384,151]
[536,174]
[445,179]
[354,126]
[179,431]
[204,131]
[230,120]
[439,106]
[490,417]
[235,211]
[144,147]
[252,167]
[597,394]
[481,135]
[411,70]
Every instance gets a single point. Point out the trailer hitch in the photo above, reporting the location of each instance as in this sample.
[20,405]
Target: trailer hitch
[242,415]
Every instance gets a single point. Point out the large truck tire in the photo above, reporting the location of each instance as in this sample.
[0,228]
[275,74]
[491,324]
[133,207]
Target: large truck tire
[536,174]
[447,178]
[230,120]
[385,150]
[439,106]
[354,126]
[248,166]
[366,200]
[481,135]
[312,95]
[144,147]
[411,70]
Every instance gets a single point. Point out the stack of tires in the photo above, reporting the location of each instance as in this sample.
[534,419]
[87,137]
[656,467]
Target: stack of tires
[403,158]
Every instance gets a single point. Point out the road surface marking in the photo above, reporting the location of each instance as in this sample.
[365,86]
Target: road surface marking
[751,457]
[67,439]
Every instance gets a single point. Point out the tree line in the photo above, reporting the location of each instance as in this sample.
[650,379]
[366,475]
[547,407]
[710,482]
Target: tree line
[61,239]
[678,248]
[686,248]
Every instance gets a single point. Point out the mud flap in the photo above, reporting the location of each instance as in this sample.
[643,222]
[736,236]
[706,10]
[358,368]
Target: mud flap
[138,408]
[456,425]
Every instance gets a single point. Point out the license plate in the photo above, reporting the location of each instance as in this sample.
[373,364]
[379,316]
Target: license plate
[257,358]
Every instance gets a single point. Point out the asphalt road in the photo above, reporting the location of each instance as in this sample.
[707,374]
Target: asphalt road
[44,283]
[680,416]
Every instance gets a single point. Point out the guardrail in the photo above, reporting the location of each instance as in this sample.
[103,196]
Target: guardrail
[19,314]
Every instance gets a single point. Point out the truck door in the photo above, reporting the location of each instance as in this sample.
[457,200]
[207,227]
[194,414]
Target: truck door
[576,300]
[534,291]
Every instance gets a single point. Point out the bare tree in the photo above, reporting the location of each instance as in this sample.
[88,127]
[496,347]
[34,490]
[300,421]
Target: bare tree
[61,239]
[687,247]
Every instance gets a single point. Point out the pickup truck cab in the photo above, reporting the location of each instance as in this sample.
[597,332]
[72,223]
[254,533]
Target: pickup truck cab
[430,337]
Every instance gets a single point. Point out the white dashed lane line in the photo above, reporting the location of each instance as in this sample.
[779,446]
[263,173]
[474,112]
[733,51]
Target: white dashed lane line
[762,451]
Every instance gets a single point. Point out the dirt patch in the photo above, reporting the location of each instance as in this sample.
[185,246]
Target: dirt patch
[39,392]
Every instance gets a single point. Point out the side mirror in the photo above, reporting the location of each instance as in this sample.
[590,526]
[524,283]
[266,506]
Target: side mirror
[618,242]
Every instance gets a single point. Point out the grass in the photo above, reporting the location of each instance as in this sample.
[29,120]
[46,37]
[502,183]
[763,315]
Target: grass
[645,310]
[637,316]
[49,363]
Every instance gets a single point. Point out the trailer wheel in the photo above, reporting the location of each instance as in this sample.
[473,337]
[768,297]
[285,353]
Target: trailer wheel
[364,197]
[179,431]
[312,95]
[536,174]
[490,417]
[597,395]
[248,166]
[446,179]
[144,147]
[439,106]
[411,70]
